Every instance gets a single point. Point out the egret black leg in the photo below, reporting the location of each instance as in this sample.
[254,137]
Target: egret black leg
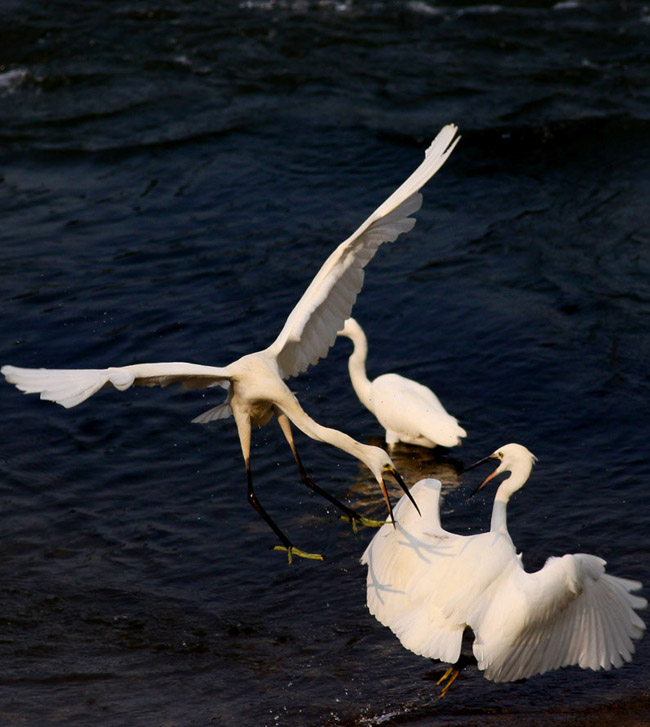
[257,505]
[243,422]
[286,543]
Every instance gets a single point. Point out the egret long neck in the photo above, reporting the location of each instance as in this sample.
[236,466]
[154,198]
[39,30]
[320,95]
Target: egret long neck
[357,367]
[313,429]
[505,491]
[499,514]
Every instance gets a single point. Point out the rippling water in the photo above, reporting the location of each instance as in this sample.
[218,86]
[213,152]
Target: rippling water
[171,177]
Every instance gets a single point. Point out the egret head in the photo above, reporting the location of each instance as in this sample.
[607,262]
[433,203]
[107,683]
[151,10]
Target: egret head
[513,458]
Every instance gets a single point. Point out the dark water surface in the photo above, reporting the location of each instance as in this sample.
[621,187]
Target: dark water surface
[171,177]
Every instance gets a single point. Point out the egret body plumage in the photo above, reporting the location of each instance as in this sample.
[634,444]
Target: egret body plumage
[428,585]
[408,411]
[255,382]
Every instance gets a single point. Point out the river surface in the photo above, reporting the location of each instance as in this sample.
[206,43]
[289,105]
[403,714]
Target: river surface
[172,175]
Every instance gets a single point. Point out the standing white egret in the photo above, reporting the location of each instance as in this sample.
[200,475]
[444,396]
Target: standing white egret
[408,411]
[428,585]
[256,390]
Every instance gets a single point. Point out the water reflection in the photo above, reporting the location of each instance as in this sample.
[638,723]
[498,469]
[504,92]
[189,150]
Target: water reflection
[413,463]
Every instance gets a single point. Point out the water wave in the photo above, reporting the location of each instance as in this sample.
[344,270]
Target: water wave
[11,81]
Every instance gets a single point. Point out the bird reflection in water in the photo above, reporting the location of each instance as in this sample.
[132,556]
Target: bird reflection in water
[413,463]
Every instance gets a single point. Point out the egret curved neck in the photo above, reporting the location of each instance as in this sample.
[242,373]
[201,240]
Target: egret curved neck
[357,368]
[313,429]
[505,491]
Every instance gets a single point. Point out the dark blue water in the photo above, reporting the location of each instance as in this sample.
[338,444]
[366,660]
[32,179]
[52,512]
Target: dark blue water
[171,177]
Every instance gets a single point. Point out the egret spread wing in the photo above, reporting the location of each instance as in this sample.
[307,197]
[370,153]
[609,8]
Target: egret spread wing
[402,558]
[70,387]
[569,612]
[394,552]
[311,327]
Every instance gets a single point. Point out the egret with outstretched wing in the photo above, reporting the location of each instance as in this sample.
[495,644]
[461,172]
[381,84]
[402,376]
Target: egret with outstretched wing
[428,585]
[255,382]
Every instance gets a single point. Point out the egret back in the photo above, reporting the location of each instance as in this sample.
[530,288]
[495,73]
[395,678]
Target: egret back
[413,412]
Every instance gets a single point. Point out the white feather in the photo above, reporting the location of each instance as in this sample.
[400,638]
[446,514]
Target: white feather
[70,387]
[427,585]
[257,391]
[328,300]
[407,410]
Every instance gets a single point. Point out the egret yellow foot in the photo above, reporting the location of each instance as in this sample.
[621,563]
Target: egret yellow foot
[451,674]
[291,551]
[363,521]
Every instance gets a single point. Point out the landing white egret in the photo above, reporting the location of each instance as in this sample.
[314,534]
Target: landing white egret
[428,585]
[408,411]
[255,382]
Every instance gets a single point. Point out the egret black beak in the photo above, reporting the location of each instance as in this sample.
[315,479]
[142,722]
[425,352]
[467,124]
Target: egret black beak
[402,484]
[486,480]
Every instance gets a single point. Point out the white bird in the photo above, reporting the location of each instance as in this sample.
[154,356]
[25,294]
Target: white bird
[428,585]
[408,411]
[256,390]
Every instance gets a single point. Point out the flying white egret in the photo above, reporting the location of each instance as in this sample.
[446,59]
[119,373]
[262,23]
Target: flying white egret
[428,585]
[408,411]
[256,390]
